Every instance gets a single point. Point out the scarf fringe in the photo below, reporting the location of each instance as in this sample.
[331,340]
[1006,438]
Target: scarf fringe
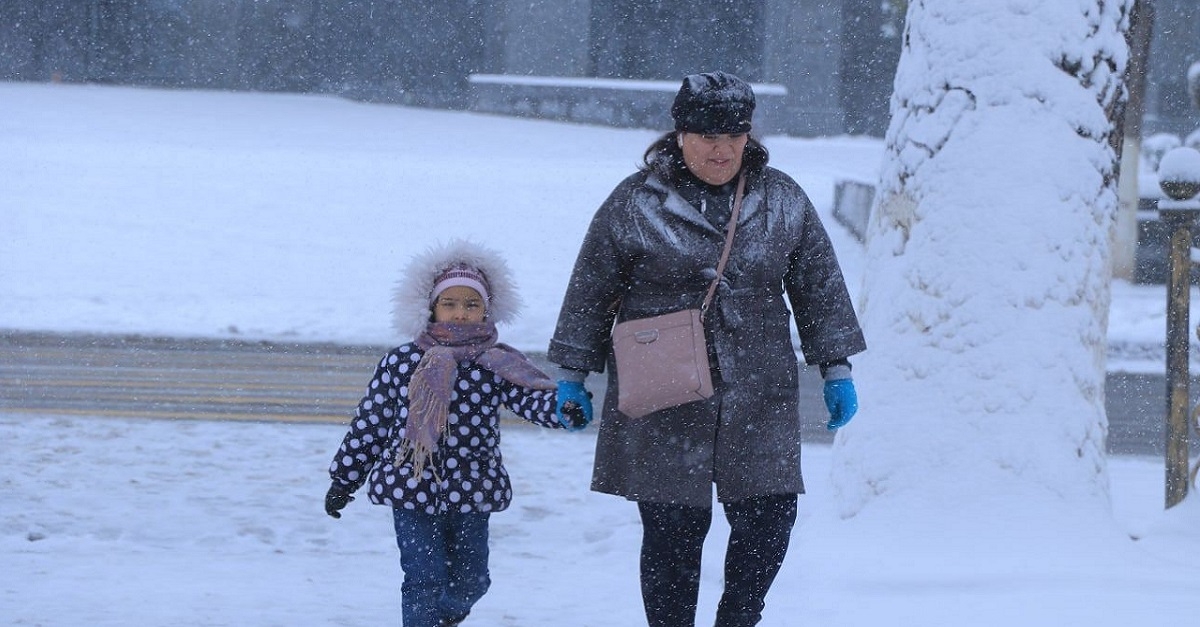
[419,456]
[422,435]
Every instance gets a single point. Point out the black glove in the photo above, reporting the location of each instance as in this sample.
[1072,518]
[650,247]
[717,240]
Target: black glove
[336,499]
[574,417]
[574,410]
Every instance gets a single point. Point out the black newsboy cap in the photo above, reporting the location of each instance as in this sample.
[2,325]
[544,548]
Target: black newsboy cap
[713,103]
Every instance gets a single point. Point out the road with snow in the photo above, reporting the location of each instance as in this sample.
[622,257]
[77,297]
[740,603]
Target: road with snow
[169,378]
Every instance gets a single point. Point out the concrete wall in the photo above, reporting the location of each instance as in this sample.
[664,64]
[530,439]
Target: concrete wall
[609,102]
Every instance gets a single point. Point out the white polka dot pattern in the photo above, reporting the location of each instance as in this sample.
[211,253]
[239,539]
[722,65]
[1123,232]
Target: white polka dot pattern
[468,460]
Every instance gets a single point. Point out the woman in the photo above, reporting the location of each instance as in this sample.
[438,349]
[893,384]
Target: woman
[652,248]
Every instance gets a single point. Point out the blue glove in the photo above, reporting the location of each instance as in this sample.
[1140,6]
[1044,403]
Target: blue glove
[842,401]
[574,410]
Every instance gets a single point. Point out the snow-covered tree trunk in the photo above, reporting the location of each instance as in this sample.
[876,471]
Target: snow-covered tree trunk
[986,290]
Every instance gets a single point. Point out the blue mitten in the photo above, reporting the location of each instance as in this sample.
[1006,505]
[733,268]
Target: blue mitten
[842,401]
[574,409]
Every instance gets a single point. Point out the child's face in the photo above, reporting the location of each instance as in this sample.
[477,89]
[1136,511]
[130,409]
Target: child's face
[459,304]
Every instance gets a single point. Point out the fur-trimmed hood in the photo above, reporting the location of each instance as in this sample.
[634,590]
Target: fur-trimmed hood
[410,297]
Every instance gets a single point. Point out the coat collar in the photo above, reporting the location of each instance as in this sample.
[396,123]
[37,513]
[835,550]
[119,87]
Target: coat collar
[675,205]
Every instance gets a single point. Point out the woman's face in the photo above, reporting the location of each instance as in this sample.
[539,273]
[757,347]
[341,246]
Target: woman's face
[459,304]
[714,159]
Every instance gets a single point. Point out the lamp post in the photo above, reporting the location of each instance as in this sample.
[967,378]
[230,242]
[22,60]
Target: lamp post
[1179,177]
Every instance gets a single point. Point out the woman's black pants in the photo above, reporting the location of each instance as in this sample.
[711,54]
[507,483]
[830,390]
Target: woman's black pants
[672,543]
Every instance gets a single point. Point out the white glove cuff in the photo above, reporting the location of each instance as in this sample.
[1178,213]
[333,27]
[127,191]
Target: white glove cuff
[840,371]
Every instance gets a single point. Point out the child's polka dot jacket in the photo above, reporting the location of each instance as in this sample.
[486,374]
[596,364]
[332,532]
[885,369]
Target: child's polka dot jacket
[467,472]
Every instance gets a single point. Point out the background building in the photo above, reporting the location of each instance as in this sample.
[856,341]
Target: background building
[823,67]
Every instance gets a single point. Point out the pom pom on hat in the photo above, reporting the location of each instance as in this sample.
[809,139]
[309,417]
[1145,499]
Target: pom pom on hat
[713,103]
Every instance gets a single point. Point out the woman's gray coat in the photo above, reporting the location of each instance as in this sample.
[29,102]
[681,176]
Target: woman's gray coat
[647,252]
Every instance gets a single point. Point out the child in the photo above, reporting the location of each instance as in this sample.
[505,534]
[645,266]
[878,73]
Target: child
[427,434]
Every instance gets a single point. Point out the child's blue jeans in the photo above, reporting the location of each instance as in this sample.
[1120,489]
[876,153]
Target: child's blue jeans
[445,562]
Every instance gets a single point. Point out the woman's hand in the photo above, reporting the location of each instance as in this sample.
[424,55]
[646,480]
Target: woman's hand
[842,402]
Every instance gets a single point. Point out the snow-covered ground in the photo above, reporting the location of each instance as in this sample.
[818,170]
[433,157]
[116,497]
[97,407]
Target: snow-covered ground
[107,522]
[207,214]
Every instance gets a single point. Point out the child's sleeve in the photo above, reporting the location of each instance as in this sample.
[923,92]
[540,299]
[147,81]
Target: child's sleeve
[370,429]
[536,406]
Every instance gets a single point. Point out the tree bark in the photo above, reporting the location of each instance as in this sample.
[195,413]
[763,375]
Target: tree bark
[1129,119]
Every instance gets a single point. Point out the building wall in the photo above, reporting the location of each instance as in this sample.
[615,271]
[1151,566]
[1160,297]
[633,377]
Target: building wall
[828,55]
[802,53]
[420,53]
[543,37]
[792,44]
[1174,46]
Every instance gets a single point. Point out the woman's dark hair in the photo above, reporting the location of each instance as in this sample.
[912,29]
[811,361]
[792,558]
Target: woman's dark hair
[664,157]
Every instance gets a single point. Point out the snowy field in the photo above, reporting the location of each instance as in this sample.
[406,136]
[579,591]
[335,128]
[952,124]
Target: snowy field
[205,214]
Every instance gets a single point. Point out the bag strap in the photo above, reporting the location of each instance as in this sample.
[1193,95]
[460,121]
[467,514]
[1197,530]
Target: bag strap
[729,229]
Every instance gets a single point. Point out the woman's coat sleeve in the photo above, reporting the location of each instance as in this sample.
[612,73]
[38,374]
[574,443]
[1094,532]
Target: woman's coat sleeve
[584,331]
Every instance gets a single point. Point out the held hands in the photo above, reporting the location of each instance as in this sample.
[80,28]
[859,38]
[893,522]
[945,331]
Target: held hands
[842,401]
[336,499]
[574,410]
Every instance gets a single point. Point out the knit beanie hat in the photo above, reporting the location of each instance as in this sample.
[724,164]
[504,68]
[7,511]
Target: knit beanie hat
[714,103]
[459,275]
